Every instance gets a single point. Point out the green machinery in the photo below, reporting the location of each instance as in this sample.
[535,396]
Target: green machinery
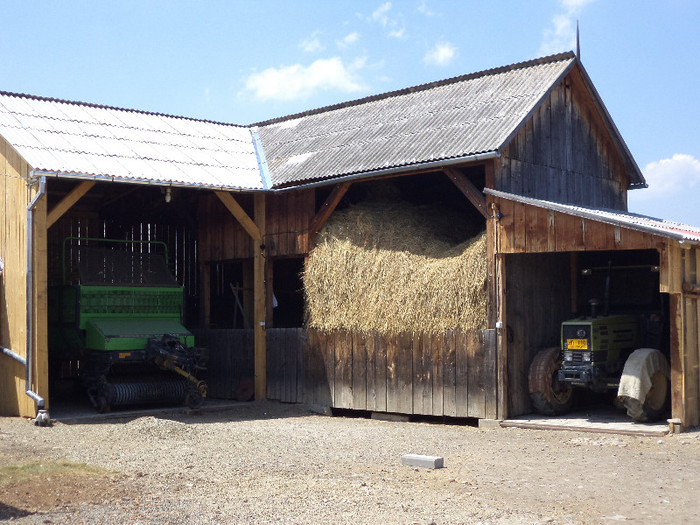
[601,352]
[119,314]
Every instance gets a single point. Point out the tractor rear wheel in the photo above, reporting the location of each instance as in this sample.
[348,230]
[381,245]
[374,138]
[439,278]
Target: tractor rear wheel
[549,396]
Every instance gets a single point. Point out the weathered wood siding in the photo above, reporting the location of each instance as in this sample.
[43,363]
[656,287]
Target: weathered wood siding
[451,374]
[538,299]
[288,215]
[564,153]
[15,196]
[230,360]
[529,229]
[680,277]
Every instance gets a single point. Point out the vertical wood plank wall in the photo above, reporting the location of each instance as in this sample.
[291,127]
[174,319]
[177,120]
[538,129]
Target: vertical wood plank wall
[687,384]
[15,196]
[564,154]
[538,299]
[451,374]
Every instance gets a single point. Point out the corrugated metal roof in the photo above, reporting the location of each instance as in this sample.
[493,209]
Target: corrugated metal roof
[85,140]
[456,118]
[672,230]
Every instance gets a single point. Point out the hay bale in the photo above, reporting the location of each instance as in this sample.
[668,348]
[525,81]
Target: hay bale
[388,266]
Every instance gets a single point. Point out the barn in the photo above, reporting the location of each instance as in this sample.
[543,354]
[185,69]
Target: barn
[526,156]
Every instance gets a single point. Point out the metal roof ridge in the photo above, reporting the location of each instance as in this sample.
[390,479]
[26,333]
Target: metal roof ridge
[115,108]
[420,87]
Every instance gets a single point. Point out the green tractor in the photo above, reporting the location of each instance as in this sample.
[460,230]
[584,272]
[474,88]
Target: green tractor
[602,353]
[118,315]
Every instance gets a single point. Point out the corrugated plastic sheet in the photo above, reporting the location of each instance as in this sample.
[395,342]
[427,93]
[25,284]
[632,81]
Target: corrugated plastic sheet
[633,221]
[102,142]
[454,119]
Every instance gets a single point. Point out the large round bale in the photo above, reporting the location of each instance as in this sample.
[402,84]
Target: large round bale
[388,266]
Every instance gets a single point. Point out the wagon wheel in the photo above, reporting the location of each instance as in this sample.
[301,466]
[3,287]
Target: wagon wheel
[548,395]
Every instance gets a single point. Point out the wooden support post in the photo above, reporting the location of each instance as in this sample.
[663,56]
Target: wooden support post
[470,191]
[259,309]
[67,202]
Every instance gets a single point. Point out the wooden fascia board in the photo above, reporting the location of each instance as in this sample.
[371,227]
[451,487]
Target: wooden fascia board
[469,190]
[328,207]
[67,202]
[239,213]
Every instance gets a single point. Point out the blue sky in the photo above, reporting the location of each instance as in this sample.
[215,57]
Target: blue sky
[246,61]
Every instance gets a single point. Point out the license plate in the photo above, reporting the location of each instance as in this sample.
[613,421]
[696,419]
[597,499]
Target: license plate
[577,344]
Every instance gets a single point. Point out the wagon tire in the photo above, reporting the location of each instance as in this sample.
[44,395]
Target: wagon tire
[549,396]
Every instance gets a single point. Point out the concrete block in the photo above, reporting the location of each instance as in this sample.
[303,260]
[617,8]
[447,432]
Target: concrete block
[416,460]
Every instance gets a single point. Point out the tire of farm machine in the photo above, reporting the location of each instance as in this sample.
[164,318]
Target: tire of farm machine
[644,386]
[548,395]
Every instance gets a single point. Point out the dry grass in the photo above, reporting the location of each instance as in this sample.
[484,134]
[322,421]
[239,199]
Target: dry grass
[387,266]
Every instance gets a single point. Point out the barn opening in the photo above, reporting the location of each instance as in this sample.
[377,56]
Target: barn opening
[544,290]
[122,254]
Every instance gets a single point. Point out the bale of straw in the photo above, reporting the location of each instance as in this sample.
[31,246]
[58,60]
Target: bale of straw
[389,267]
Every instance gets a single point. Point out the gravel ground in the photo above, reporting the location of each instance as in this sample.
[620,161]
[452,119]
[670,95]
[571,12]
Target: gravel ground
[266,462]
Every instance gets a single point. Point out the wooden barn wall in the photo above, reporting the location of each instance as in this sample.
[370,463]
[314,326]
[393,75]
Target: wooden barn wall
[680,278]
[530,229]
[538,299]
[15,196]
[287,222]
[451,374]
[230,360]
[565,154]
[288,215]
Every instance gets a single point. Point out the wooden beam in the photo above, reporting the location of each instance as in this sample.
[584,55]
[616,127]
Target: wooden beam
[241,216]
[468,189]
[67,202]
[259,308]
[327,208]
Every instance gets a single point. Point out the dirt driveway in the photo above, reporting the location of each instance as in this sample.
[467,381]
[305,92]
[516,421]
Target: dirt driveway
[266,462]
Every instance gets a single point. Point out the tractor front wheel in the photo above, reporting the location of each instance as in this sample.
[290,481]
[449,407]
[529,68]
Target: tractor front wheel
[549,396]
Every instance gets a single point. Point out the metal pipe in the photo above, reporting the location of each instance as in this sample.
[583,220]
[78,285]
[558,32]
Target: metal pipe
[14,356]
[29,366]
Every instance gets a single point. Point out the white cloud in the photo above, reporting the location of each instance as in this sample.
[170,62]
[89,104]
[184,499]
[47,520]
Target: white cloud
[311,44]
[440,55]
[297,82]
[381,14]
[424,9]
[397,33]
[349,39]
[394,24]
[669,176]
[673,192]
[562,35]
